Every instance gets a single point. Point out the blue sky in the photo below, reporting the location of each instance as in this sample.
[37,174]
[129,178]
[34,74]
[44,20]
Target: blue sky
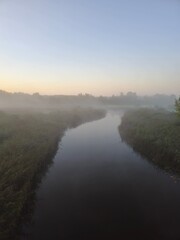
[99,46]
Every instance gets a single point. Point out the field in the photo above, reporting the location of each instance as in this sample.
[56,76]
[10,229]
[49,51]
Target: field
[28,142]
[155,134]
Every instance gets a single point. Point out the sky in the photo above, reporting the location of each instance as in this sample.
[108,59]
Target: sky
[102,47]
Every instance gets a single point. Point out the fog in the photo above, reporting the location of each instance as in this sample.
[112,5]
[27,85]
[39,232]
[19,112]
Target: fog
[10,101]
[89,120]
[71,162]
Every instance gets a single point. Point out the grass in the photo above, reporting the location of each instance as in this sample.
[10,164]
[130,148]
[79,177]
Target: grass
[155,134]
[28,142]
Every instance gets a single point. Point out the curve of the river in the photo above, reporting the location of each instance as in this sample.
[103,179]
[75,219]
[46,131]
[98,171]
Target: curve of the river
[99,188]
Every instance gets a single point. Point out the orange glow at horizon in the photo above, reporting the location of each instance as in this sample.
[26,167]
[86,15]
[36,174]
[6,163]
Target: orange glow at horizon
[97,87]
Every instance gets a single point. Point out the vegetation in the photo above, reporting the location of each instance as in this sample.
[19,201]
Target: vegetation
[155,134]
[129,100]
[177,106]
[27,144]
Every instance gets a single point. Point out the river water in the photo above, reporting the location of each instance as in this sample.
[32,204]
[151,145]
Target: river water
[99,188]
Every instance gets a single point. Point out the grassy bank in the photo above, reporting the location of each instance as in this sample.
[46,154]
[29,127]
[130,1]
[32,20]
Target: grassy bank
[28,142]
[155,134]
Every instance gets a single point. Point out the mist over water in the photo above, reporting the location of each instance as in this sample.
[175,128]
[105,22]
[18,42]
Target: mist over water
[99,188]
[64,65]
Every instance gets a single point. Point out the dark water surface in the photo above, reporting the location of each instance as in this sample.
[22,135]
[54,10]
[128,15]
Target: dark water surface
[99,188]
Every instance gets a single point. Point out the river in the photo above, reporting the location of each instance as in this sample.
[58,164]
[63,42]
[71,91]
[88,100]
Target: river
[99,188]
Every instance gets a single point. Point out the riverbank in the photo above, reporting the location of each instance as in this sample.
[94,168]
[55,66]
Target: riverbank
[155,134]
[28,142]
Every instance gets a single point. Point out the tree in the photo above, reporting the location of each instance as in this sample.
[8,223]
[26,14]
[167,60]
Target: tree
[177,106]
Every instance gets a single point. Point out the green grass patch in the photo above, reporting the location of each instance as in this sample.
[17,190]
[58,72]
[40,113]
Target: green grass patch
[28,142]
[155,134]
